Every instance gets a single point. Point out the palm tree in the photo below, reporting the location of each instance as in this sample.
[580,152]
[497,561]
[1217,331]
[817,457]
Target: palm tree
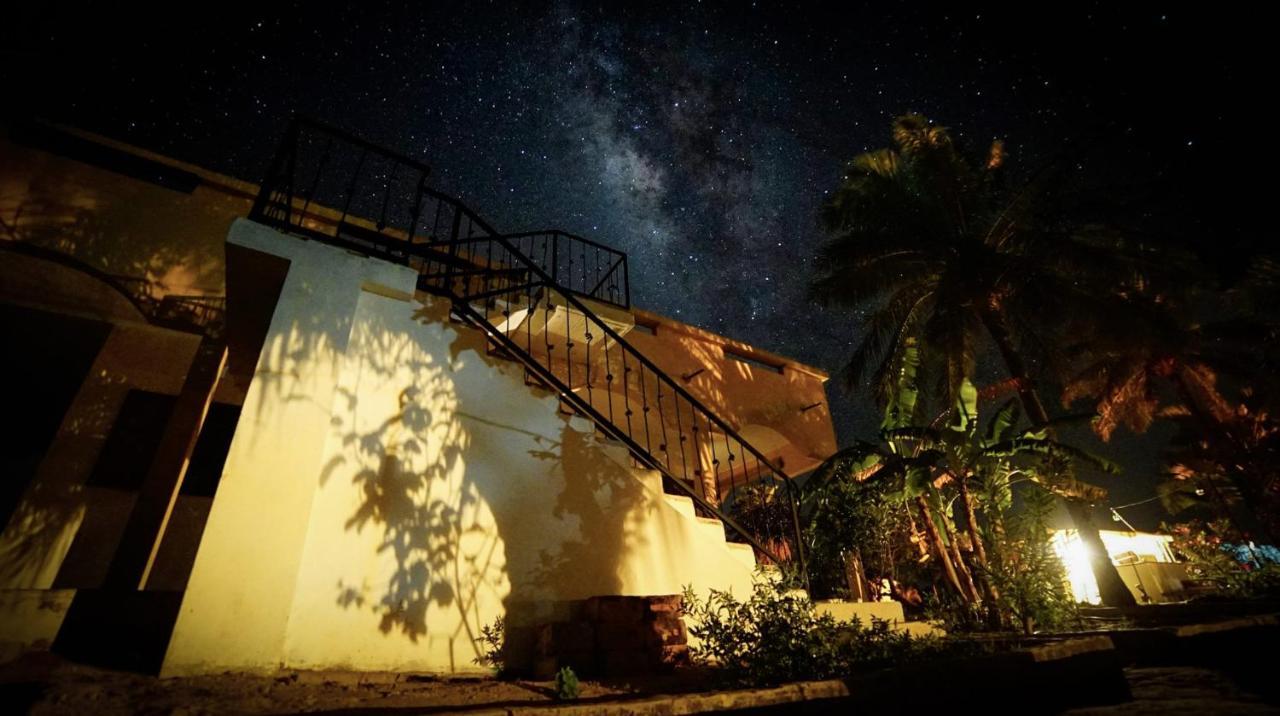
[943,251]
[1146,360]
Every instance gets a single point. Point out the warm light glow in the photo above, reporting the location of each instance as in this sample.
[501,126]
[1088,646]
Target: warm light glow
[1075,558]
[1124,548]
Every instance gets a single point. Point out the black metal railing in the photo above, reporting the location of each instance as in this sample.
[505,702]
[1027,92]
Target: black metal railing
[330,185]
[533,295]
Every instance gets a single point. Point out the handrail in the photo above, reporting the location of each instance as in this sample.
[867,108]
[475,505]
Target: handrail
[385,200]
[504,284]
[610,424]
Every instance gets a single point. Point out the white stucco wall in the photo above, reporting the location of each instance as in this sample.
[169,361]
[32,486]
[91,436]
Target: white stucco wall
[391,489]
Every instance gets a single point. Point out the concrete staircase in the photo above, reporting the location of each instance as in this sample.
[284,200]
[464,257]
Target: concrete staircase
[710,529]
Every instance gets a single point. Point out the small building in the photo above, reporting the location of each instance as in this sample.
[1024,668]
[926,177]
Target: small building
[340,421]
[1144,560]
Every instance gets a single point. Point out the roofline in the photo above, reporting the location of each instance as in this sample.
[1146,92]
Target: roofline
[737,346]
[249,191]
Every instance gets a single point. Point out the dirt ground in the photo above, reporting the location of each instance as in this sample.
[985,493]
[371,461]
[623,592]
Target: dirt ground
[44,684]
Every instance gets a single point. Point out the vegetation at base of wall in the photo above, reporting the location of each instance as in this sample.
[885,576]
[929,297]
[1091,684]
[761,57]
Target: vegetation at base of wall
[566,684]
[492,644]
[776,636]
[855,528]
[1234,570]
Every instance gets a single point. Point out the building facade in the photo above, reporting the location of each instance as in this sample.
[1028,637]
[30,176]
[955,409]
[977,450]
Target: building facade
[338,421]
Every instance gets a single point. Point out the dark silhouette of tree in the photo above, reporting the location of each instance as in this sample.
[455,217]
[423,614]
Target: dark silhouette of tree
[1150,358]
[948,252]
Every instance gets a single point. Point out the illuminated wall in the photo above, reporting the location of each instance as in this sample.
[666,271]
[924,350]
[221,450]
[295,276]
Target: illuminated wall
[509,476]
[1144,560]
[746,386]
[392,488]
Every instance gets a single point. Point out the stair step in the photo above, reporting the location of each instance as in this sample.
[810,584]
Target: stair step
[682,504]
[744,553]
[617,452]
[582,424]
[713,527]
[652,479]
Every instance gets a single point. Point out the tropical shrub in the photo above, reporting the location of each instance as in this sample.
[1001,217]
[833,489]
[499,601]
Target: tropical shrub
[492,643]
[855,519]
[566,684]
[776,636]
[1029,580]
[1211,556]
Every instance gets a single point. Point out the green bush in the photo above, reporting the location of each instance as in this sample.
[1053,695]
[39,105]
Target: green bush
[854,517]
[566,684]
[1209,557]
[776,636]
[492,643]
[1026,572]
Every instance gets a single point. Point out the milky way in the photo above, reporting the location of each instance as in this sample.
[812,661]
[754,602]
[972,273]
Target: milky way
[701,140]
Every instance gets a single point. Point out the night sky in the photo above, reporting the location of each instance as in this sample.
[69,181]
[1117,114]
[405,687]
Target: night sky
[700,139]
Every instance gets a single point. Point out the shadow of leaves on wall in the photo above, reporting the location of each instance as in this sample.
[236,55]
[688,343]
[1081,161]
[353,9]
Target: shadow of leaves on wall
[482,509]
[171,239]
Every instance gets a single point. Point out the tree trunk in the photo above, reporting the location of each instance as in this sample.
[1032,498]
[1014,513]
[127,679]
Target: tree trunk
[962,569]
[971,528]
[971,520]
[935,540]
[1112,589]
[855,578]
[1114,593]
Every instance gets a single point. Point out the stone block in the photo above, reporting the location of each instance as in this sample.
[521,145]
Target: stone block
[614,609]
[666,632]
[614,636]
[670,604]
[561,637]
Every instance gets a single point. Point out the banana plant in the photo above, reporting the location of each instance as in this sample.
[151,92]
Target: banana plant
[931,467]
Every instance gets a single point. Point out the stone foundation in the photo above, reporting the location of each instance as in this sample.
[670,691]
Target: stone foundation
[615,636]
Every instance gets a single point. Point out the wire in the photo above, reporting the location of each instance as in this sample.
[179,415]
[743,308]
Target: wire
[1139,502]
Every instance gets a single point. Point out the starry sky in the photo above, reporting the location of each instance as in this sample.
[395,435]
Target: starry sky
[699,138]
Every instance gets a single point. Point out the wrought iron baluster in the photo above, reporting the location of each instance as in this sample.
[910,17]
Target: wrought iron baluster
[386,196]
[490,276]
[315,181]
[665,445]
[608,379]
[626,394]
[644,412]
[684,466]
[453,251]
[568,347]
[351,186]
[699,472]
[586,324]
[417,205]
